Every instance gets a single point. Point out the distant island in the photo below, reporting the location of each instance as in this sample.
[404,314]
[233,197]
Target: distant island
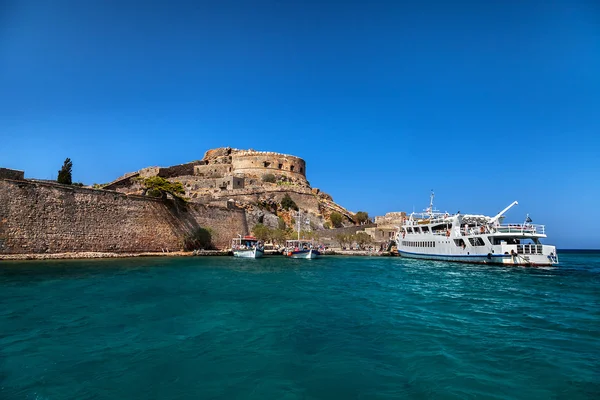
[197,205]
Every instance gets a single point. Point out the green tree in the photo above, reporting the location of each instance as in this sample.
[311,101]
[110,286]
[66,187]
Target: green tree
[64,174]
[262,232]
[155,186]
[270,178]
[343,239]
[287,203]
[336,219]
[281,224]
[362,238]
[281,235]
[361,217]
[200,238]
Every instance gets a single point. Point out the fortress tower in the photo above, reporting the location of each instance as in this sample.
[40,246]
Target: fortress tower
[250,163]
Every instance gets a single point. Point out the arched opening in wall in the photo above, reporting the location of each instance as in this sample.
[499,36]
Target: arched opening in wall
[280,166]
[301,170]
[207,162]
[266,164]
[229,169]
[291,167]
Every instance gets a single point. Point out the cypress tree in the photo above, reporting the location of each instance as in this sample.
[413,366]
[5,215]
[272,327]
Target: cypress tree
[64,174]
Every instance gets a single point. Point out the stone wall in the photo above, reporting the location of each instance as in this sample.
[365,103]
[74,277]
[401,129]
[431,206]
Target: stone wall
[6,173]
[51,218]
[178,170]
[391,218]
[212,170]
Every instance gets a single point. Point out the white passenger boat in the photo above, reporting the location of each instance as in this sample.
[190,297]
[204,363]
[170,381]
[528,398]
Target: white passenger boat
[247,247]
[474,239]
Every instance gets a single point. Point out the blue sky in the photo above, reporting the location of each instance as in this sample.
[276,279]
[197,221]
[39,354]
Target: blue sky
[483,103]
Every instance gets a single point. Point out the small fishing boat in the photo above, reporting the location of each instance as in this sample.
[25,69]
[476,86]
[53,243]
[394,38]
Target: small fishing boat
[301,248]
[304,248]
[247,247]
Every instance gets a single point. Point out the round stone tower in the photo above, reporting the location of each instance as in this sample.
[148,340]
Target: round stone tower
[259,163]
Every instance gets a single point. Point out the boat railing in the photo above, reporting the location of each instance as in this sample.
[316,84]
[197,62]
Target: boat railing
[517,228]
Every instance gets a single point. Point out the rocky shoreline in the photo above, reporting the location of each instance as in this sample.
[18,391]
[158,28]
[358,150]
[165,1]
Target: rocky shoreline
[90,254]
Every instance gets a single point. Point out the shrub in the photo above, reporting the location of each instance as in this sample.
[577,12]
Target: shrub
[270,178]
[155,186]
[336,219]
[281,224]
[287,203]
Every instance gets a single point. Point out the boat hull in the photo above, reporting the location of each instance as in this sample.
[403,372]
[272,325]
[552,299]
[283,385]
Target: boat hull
[493,259]
[304,254]
[248,253]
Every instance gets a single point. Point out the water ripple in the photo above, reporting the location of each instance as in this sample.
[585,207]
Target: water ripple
[335,327]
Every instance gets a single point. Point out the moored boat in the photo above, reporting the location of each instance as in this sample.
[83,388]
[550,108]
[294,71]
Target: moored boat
[247,247]
[301,249]
[474,239]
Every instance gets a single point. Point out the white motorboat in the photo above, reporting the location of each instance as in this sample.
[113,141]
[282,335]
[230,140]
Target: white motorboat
[247,247]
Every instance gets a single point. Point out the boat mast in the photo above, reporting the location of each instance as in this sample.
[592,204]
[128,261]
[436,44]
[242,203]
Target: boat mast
[298,219]
[430,209]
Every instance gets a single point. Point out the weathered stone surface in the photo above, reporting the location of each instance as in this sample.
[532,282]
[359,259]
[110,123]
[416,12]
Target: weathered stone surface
[51,218]
[6,173]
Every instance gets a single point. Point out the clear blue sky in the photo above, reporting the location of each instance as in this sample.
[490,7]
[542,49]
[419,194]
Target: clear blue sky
[484,102]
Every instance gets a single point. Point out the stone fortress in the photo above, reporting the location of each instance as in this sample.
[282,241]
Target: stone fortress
[254,180]
[229,191]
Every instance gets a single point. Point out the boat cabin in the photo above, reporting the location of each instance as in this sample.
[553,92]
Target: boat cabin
[244,242]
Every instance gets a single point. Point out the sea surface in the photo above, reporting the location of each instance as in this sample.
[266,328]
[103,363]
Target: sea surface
[276,328]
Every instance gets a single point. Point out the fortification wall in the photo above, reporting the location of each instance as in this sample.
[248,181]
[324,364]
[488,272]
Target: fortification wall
[51,218]
[178,170]
[260,163]
[6,173]
[212,170]
[391,218]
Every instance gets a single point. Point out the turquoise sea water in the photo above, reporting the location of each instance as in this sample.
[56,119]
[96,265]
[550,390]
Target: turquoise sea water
[275,328]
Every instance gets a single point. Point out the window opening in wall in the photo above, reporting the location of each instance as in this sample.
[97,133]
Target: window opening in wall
[266,164]
[291,168]
[301,171]
[280,166]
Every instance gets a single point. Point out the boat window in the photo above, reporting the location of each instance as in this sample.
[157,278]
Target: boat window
[476,241]
[409,230]
[459,243]
[425,229]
